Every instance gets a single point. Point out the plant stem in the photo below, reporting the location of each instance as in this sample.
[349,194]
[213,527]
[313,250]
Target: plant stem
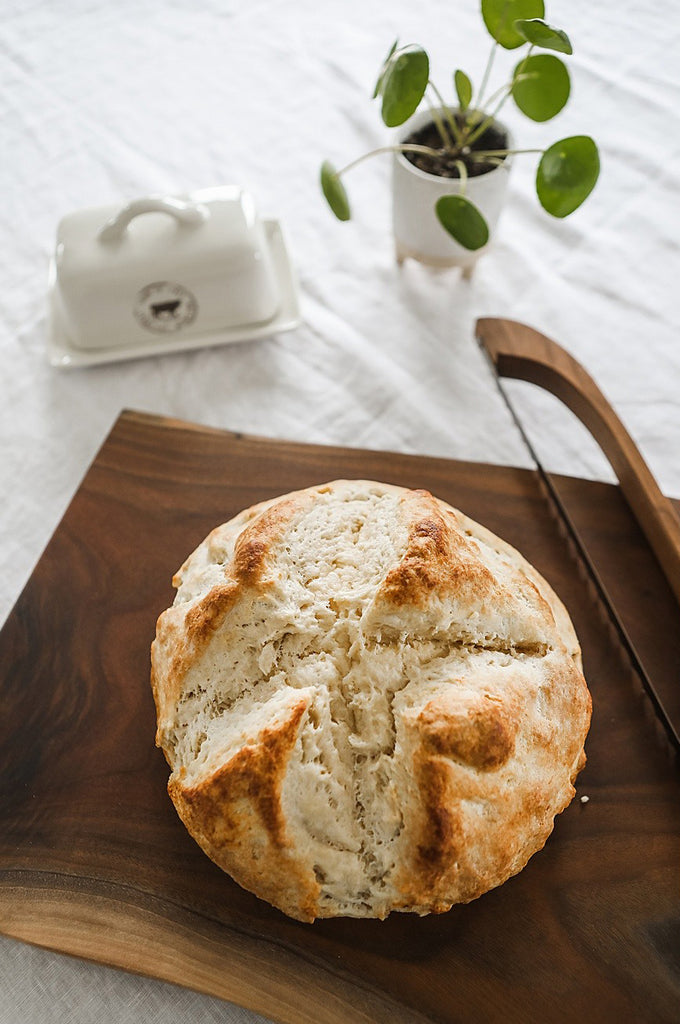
[503,89]
[439,125]
[405,147]
[482,154]
[495,160]
[492,117]
[483,125]
[412,147]
[463,176]
[448,113]
[485,80]
[520,67]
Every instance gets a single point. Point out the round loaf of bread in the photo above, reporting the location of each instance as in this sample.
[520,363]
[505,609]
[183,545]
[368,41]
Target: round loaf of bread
[368,702]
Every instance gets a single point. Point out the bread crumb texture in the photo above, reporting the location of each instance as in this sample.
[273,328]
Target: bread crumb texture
[368,702]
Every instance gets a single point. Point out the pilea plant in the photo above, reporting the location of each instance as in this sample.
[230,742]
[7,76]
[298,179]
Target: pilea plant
[464,139]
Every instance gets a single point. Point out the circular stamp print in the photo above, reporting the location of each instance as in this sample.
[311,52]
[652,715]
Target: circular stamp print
[164,307]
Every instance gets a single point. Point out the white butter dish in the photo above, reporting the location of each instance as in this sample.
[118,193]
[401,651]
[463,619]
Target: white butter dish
[166,274]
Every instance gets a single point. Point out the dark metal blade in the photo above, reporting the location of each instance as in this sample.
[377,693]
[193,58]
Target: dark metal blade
[664,698]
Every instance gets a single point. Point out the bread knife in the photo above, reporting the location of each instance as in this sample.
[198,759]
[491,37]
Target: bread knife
[516,350]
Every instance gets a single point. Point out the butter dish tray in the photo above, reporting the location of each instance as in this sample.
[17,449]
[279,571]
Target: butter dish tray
[167,274]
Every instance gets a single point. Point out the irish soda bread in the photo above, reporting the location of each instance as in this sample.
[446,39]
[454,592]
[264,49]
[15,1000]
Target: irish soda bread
[368,701]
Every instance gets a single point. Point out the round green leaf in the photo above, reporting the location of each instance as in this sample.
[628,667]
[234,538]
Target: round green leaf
[378,84]
[403,85]
[566,175]
[539,33]
[463,221]
[334,191]
[541,87]
[500,17]
[463,89]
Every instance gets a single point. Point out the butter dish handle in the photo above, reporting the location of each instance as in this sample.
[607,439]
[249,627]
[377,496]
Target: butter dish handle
[187,213]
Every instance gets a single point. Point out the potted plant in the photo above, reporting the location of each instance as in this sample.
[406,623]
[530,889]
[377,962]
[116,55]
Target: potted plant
[451,161]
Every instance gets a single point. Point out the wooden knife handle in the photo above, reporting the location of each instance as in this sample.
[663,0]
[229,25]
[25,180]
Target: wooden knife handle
[523,353]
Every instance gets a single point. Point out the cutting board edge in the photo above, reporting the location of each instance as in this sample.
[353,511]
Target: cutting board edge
[176,423]
[60,914]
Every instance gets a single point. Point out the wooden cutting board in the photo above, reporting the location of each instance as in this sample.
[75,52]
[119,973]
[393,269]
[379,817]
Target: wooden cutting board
[95,862]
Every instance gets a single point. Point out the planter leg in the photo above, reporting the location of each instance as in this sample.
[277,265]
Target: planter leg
[468,271]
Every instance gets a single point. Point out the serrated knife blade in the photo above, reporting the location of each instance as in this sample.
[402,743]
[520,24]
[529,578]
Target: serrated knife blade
[518,351]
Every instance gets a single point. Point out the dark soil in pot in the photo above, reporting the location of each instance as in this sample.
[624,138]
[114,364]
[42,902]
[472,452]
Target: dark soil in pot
[444,164]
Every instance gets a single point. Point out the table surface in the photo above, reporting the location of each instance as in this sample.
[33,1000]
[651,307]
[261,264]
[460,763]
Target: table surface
[102,103]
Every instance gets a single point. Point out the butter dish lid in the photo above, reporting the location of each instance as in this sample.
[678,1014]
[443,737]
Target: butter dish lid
[215,220]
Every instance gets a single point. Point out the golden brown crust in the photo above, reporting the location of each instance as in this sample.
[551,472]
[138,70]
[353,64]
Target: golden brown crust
[236,812]
[204,618]
[481,735]
[440,838]
[182,638]
[258,540]
[455,752]
[183,635]
[390,700]
[437,557]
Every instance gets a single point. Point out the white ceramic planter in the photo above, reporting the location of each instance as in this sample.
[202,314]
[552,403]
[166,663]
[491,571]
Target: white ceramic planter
[418,234]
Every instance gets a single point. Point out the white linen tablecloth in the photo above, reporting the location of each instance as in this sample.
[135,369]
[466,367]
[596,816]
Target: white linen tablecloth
[104,102]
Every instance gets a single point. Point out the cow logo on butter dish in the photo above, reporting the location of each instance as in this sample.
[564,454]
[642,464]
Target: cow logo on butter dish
[164,307]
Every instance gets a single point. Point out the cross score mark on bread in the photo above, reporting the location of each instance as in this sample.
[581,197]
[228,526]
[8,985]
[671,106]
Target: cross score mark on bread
[368,702]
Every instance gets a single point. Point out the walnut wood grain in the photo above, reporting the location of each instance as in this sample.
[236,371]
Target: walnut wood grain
[521,352]
[95,862]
